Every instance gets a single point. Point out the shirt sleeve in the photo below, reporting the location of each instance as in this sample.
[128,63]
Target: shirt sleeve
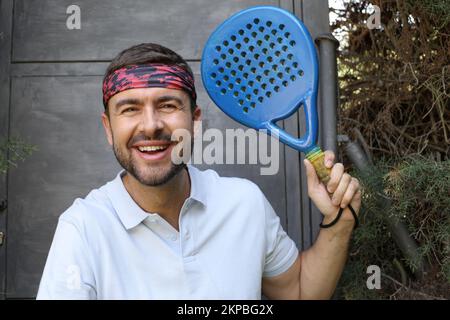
[281,251]
[67,273]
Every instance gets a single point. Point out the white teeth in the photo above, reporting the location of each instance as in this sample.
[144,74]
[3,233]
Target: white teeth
[151,148]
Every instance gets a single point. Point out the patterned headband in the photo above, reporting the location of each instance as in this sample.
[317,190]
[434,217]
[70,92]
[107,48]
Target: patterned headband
[148,76]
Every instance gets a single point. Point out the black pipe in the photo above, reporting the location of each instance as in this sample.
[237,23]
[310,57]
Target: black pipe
[328,90]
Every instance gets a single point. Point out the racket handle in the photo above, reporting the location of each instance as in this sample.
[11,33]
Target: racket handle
[317,158]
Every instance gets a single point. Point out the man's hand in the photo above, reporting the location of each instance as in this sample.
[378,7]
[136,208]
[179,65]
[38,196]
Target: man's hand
[341,190]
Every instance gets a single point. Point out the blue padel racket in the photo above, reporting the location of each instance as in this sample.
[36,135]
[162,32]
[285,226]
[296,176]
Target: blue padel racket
[260,66]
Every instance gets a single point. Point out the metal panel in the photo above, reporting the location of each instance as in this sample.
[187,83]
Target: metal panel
[293,183]
[314,14]
[6,8]
[41,34]
[303,223]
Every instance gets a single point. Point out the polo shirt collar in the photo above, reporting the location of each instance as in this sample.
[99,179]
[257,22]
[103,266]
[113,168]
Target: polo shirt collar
[129,211]
[198,187]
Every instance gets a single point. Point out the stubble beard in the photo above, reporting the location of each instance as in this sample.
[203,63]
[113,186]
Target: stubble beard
[150,175]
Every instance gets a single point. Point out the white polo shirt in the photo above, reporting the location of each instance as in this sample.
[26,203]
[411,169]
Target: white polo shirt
[107,247]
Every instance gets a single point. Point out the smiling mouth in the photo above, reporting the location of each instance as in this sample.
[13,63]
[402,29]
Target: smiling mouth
[153,152]
[152,149]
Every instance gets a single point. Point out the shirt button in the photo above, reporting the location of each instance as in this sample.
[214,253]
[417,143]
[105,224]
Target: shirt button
[187,235]
[173,238]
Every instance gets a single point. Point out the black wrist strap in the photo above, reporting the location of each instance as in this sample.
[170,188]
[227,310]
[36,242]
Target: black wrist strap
[341,210]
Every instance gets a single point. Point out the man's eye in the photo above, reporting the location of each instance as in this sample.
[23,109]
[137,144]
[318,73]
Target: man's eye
[130,109]
[168,106]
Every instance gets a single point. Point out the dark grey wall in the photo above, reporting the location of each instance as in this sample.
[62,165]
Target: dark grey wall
[50,93]
[6,8]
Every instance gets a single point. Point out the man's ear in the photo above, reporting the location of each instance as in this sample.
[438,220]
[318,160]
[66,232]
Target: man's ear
[197,118]
[107,126]
[197,114]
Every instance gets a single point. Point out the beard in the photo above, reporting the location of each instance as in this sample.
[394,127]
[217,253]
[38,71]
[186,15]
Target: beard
[150,175]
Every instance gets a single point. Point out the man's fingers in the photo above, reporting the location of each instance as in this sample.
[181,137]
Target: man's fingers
[356,200]
[341,189]
[335,177]
[329,158]
[351,191]
[311,174]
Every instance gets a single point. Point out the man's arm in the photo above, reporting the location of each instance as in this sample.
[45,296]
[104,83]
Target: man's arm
[316,272]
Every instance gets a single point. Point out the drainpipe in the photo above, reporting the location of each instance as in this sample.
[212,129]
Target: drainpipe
[328,44]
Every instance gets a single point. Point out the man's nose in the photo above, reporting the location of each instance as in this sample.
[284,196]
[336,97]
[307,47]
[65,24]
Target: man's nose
[151,122]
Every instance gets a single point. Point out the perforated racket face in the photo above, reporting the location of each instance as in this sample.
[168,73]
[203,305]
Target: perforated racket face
[260,65]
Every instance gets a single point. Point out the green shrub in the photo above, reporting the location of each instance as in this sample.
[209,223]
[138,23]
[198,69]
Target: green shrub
[418,190]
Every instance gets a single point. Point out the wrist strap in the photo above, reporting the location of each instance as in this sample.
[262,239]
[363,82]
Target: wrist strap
[341,210]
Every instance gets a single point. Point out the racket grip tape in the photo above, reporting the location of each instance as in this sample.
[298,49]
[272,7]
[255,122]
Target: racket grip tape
[317,159]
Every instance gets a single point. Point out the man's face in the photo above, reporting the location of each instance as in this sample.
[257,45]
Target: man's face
[140,126]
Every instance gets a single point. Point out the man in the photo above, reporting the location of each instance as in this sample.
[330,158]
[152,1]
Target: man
[164,230]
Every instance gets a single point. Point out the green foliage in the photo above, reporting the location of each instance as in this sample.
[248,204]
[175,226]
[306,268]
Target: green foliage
[13,151]
[418,190]
[440,9]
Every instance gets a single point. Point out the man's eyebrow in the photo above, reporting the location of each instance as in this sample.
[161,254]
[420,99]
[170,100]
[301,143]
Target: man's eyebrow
[127,101]
[169,98]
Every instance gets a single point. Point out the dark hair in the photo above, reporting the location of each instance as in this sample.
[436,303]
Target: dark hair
[148,53]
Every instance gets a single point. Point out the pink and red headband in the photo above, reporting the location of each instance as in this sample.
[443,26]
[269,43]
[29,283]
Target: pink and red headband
[148,76]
